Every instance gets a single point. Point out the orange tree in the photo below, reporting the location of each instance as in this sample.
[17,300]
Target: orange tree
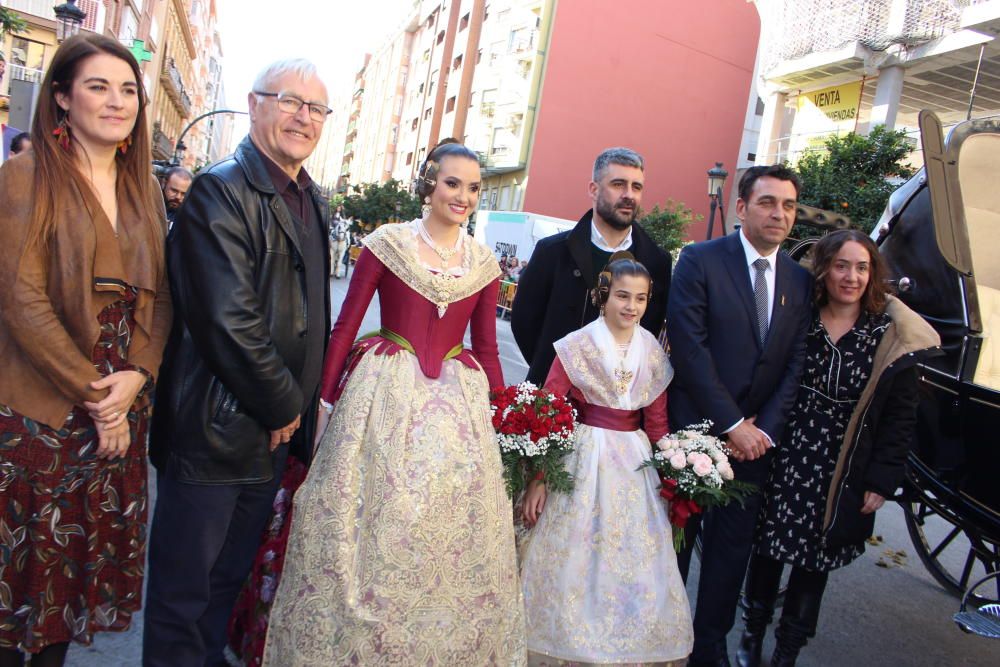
[376,203]
[854,175]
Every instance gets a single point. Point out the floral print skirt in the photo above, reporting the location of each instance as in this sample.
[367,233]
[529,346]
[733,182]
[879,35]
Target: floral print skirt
[72,526]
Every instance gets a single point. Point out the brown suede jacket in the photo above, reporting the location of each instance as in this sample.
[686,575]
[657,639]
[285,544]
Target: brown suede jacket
[50,297]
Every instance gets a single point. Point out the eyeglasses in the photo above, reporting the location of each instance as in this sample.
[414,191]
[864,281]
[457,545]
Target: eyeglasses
[291,104]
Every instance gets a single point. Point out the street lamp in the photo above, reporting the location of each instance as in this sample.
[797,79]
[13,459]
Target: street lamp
[716,180]
[69,17]
[180,146]
[179,152]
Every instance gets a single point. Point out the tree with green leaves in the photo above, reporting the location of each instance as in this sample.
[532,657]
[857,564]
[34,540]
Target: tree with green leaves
[854,175]
[376,203]
[11,21]
[668,226]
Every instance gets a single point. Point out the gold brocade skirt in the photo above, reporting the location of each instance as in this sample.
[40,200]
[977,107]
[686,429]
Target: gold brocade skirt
[402,545]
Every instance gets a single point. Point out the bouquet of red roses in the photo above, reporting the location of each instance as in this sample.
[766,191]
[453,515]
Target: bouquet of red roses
[534,431]
[696,475]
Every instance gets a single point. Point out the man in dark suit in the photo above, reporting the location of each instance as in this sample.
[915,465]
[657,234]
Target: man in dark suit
[737,320]
[553,291]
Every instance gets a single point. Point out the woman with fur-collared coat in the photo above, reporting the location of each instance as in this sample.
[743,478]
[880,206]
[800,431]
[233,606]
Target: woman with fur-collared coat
[845,445]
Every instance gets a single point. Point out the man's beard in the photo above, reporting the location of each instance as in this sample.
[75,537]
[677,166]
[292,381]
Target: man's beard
[613,217]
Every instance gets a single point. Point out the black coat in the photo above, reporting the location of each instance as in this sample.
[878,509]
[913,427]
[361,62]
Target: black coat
[882,428]
[553,292]
[233,365]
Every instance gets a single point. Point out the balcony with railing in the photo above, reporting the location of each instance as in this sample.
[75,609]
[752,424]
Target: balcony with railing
[94,9]
[163,147]
[21,73]
[173,84]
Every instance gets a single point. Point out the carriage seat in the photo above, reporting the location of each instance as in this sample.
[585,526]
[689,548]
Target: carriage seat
[988,367]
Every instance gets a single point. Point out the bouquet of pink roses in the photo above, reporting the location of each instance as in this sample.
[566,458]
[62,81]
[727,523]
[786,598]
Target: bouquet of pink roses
[696,474]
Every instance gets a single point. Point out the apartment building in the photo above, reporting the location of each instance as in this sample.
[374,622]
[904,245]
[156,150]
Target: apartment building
[179,49]
[326,162]
[381,98]
[429,80]
[539,87]
[29,53]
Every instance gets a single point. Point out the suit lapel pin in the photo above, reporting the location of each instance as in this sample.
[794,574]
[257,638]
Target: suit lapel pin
[782,299]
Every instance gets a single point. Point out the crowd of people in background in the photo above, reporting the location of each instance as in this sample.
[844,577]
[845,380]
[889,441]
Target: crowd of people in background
[329,500]
[511,267]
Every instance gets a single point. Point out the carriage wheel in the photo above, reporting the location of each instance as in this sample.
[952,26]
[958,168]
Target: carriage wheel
[954,554]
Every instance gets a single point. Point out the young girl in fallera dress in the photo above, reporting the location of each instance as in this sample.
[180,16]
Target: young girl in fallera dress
[599,574]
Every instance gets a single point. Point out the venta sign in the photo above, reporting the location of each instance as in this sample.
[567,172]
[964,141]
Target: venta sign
[821,113]
[838,104]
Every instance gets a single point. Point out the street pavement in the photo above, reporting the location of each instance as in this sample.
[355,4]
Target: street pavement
[872,615]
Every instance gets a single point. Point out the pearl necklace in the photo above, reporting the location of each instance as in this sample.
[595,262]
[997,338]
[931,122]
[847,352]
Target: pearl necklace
[444,253]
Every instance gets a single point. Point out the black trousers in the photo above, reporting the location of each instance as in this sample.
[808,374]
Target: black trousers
[726,539]
[202,546]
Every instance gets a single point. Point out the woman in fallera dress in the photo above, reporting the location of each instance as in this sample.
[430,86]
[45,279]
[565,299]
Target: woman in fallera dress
[402,543]
[600,577]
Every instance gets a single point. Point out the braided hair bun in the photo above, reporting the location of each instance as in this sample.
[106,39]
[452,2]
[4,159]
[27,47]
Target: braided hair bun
[621,263]
[427,175]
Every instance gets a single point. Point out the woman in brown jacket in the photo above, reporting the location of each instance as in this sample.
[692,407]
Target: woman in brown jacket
[84,315]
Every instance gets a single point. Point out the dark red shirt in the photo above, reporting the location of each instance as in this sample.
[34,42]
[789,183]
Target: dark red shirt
[313,243]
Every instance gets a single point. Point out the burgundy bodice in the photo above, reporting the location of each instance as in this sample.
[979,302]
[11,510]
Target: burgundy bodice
[654,415]
[410,315]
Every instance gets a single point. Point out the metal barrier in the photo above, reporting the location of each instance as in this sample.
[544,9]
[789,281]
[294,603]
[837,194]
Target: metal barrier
[505,298]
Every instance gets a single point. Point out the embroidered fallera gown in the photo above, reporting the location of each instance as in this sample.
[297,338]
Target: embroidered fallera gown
[402,544]
[599,572]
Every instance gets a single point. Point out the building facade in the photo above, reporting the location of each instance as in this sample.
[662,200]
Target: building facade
[539,87]
[28,54]
[172,105]
[176,43]
[830,69]
[326,162]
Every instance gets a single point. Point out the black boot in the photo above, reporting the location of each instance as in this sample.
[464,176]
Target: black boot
[798,616]
[763,578]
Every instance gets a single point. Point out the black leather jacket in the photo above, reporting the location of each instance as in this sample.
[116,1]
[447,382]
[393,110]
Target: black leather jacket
[234,361]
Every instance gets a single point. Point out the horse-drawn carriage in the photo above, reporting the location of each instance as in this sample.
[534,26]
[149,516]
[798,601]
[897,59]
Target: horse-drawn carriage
[940,237]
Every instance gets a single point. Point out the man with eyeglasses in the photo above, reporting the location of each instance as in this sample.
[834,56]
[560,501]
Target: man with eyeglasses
[248,263]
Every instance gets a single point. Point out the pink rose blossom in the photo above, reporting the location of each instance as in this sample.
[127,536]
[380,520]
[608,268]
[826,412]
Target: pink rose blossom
[677,461]
[667,444]
[725,470]
[702,467]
